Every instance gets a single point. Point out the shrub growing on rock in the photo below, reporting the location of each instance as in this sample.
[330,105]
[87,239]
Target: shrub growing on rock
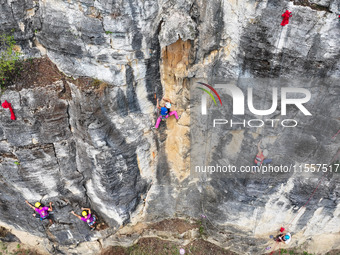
[9,55]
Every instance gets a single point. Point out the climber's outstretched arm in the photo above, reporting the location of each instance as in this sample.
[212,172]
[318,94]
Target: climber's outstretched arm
[259,147]
[78,216]
[29,204]
[158,104]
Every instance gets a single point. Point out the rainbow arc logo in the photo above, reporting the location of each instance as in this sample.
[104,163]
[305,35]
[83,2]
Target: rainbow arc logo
[209,93]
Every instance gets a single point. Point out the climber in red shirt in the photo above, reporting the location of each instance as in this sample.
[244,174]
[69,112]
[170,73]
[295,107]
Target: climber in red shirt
[286,17]
[261,156]
[8,105]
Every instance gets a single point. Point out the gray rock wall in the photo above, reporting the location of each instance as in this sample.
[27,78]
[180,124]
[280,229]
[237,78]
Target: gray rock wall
[67,151]
[99,150]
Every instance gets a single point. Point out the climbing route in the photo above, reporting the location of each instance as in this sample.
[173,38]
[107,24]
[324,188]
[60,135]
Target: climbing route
[203,178]
[290,222]
[282,237]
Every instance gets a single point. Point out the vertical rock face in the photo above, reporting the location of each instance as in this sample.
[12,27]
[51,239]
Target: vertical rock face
[71,153]
[174,70]
[98,150]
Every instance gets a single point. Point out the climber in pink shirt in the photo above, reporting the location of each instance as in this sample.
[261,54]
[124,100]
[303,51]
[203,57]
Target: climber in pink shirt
[89,218]
[42,211]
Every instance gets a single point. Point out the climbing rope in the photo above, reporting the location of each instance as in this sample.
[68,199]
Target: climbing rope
[305,205]
[314,191]
[294,217]
[204,179]
[258,199]
[336,155]
[275,247]
[275,52]
[336,134]
[310,197]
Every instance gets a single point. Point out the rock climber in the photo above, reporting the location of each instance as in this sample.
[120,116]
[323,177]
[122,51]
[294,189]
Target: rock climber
[285,238]
[88,217]
[286,17]
[167,103]
[165,112]
[260,158]
[42,211]
[9,106]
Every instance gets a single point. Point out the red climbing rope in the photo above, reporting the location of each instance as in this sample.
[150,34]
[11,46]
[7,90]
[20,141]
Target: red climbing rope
[274,249]
[308,199]
[336,134]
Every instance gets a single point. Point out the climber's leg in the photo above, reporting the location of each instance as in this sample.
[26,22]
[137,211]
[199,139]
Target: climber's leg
[267,161]
[158,122]
[92,224]
[174,113]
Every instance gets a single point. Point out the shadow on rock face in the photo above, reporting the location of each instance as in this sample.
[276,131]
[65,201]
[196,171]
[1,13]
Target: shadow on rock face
[7,236]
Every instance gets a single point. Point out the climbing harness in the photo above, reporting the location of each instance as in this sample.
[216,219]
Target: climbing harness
[164,113]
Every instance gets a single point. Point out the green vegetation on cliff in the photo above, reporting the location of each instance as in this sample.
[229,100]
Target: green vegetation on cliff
[9,56]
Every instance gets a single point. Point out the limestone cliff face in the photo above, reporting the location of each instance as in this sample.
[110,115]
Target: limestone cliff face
[77,147]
